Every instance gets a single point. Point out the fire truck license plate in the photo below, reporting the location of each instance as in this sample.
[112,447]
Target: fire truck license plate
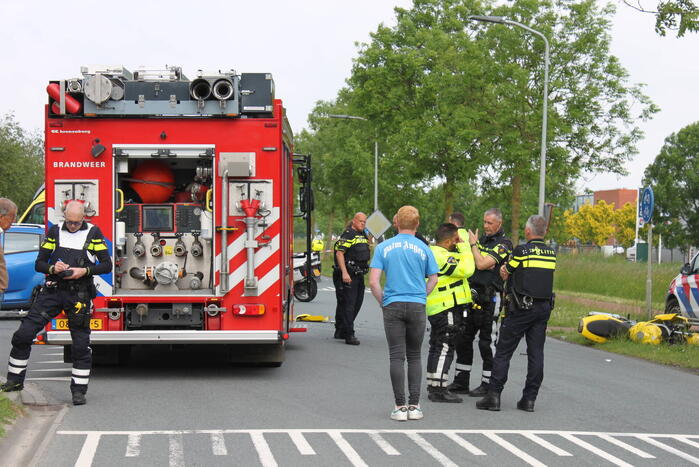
[62,324]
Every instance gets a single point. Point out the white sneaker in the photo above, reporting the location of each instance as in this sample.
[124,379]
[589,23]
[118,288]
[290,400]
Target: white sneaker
[400,414]
[415,412]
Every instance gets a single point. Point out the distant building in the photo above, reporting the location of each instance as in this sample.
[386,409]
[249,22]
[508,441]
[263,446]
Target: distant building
[619,197]
[581,200]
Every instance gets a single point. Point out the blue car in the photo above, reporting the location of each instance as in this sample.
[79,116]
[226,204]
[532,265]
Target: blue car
[22,243]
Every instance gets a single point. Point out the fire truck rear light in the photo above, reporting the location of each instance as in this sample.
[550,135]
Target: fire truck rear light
[249,310]
[285,336]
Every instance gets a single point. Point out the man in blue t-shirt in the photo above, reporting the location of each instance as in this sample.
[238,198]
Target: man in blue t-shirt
[406,262]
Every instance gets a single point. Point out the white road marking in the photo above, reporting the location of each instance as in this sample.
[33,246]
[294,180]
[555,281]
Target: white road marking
[670,449]
[384,445]
[352,455]
[263,450]
[543,443]
[87,453]
[626,446]
[55,354]
[266,457]
[56,378]
[431,450]
[218,444]
[514,450]
[465,444]
[301,443]
[68,369]
[176,450]
[61,362]
[603,454]
[133,446]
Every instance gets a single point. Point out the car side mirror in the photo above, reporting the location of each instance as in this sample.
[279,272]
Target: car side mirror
[686,269]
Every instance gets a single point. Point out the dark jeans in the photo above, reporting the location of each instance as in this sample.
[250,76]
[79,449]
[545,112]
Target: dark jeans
[404,323]
[349,301]
[531,324]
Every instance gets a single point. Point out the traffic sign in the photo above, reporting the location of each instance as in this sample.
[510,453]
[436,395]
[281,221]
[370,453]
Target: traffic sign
[377,224]
[647,202]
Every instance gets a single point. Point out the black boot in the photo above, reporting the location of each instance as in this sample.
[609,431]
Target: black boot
[351,340]
[79,398]
[9,386]
[491,401]
[339,334]
[526,404]
[480,391]
[442,395]
[460,384]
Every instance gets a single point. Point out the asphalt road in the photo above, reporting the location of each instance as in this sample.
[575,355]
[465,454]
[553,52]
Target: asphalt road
[329,404]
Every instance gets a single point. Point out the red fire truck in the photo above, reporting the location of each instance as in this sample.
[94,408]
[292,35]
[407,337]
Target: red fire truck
[191,182]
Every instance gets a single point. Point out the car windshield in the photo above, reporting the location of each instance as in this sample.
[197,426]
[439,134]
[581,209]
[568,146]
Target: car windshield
[16,242]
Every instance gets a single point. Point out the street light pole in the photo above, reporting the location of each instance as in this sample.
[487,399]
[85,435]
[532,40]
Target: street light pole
[542,168]
[376,156]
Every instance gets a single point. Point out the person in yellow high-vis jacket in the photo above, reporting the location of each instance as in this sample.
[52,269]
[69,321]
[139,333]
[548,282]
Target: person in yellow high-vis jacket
[446,306]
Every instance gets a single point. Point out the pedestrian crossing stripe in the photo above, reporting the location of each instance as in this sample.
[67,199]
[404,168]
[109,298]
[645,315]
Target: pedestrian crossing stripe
[267,459]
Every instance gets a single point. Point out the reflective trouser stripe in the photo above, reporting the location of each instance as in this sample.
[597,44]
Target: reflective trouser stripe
[462,367]
[80,380]
[16,362]
[79,372]
[15,370]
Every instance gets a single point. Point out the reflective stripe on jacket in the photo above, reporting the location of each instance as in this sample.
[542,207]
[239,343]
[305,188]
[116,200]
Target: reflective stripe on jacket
[452,288]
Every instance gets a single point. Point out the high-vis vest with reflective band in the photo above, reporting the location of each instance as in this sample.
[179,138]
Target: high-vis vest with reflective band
[452,288]
[532,266]
[78,249]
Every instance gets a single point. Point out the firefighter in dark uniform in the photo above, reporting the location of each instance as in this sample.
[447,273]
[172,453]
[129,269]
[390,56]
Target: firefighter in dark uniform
[351,263]
[529,301]
[489,252]
[74,251]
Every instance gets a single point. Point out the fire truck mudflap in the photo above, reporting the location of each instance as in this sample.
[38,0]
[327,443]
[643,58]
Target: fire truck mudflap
[191,182]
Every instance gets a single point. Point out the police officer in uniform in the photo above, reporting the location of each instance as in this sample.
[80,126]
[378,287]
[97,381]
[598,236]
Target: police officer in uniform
[351,263]
[529,301]
[445,308]
[74,251]
[489,252]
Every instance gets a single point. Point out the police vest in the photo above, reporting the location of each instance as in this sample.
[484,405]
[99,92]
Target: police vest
[532,266]
[499,248]
[452,288]
[355,246]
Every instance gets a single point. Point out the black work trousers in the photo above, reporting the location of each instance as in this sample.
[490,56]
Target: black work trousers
[532,325]
[483,323]
[49,303]
[444,329]
[349,301]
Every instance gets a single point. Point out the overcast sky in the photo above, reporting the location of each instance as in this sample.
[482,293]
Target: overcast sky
[308,46]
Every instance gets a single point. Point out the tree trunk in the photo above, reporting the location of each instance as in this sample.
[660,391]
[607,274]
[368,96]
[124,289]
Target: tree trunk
[516,207]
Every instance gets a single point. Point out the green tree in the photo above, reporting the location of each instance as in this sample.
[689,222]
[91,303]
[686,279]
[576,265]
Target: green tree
[674,176]
[678,15]
[592,224]
[625,221]
[22,168]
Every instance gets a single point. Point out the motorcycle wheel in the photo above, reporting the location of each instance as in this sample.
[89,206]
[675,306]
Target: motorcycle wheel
[304,293]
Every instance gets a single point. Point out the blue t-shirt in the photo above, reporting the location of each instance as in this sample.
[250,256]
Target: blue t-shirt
[406,261]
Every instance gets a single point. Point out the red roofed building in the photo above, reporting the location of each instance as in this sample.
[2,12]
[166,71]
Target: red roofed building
[619,197]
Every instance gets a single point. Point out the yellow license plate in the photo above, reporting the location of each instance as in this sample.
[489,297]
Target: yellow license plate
[62,324]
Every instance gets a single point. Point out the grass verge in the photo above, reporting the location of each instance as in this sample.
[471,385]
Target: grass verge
[683,356]
[8,412]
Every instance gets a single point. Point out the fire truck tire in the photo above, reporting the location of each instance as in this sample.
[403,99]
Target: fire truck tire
[305,291]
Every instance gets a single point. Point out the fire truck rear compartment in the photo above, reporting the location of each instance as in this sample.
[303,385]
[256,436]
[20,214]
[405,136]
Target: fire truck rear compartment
[164,316]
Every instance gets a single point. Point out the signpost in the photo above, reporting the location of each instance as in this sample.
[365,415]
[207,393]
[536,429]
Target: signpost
[646,211]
